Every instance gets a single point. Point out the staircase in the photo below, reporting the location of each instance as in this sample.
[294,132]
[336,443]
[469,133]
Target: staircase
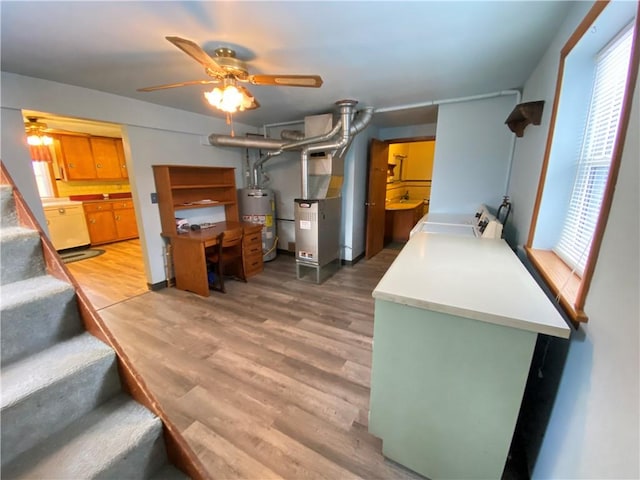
[63,410]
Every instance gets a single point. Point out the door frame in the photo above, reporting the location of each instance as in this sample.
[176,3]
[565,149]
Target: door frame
[375,237]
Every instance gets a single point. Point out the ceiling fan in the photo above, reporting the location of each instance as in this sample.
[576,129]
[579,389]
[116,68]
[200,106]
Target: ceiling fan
[37,131]
[227,70]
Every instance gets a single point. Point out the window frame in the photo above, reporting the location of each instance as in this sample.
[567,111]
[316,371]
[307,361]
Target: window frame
[570,289]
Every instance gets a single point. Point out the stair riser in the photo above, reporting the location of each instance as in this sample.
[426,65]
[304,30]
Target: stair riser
[141,462]
[54,407]
[7,207]
[21,258]
[32,327]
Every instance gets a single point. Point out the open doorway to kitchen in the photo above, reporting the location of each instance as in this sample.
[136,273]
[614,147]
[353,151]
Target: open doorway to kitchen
[82,176]
[399,189]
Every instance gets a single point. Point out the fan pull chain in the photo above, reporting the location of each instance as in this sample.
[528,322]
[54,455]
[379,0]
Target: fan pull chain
[230,122]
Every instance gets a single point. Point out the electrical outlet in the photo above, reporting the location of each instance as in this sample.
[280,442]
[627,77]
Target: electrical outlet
[154,197]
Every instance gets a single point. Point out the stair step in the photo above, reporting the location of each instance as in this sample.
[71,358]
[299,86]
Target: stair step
[8,207]
[35,314]
[45,392]
[169,472]
[20,254]
[119,439]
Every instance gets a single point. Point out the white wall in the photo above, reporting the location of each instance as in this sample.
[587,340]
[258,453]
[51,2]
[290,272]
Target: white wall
[473,149]
[411,131]
[593,431]
[153,135]
[354,192]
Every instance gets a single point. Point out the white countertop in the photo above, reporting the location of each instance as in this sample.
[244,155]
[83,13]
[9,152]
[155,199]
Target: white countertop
[469,277]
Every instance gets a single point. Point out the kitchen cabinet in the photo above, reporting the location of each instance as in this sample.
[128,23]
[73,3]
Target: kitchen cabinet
[124,173]
[84,157]
[105,158]
[77,158]
[125,218]
[110,221]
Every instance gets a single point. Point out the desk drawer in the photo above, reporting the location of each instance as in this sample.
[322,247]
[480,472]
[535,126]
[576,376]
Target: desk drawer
[253,238]
[253,264]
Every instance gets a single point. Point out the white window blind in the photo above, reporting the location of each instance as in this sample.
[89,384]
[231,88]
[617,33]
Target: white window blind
[592,172]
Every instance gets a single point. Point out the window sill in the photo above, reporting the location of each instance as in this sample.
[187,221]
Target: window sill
[560,279]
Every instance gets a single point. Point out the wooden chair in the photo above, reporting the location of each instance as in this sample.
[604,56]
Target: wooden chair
[227,253]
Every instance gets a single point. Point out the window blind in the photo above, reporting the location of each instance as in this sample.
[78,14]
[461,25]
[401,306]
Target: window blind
[592,171]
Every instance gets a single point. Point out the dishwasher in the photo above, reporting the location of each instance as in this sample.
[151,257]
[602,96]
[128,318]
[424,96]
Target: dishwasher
[67,223]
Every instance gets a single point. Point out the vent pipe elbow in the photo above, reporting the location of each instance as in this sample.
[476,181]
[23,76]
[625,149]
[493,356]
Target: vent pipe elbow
[363,120]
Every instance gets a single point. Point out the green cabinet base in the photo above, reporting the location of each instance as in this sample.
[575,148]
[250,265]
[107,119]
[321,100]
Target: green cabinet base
[446,390]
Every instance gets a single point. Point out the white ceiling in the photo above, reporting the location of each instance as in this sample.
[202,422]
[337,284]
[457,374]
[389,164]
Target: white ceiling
[383,54]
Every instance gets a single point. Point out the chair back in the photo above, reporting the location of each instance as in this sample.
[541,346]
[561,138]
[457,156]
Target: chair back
[232,238]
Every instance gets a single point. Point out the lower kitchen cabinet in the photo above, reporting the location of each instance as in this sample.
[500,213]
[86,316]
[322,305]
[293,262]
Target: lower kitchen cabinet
[125,218]
[110,221]
[252,250]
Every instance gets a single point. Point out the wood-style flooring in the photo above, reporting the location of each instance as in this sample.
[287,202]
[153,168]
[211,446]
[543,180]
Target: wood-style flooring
[114,276]
[271,379]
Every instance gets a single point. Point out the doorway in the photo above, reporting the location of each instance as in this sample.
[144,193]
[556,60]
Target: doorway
[399,189]
[82,175]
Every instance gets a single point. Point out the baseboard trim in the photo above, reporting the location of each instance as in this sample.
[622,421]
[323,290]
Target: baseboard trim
[351,263]
[154,287]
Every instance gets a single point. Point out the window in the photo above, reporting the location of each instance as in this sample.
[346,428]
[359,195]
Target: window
[586,135]
[43,178]
[596,153]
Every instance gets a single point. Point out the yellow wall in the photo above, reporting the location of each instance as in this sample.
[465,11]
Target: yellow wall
[418,165]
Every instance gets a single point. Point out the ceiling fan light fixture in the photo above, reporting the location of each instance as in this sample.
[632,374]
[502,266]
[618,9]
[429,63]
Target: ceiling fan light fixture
[35,133]
[38,140]
[229,98]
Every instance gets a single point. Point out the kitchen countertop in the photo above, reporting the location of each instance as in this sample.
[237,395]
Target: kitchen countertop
[469,277]
[404,205]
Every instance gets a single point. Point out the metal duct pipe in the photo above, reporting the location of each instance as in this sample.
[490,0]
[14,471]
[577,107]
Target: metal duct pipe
[245,142]
[292,135]
[291,146]
[364,117]
[363,120]
[255,177]
[346,110]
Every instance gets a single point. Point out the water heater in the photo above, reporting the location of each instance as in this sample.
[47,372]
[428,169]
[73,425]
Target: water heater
[257,205]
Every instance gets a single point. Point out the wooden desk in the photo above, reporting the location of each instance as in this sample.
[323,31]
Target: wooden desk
[188,252]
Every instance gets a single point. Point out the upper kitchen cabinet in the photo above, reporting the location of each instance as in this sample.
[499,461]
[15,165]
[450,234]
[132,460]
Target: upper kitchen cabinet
[75,157]
[91,158]
[105,158]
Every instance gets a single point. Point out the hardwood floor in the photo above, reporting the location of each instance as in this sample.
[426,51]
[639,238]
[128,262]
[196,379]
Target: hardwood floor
[270,380]
[114,276]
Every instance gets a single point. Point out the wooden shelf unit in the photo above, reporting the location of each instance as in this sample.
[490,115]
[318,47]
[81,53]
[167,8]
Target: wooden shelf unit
[180,186]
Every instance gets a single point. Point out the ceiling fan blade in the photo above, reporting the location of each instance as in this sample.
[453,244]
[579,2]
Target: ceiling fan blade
[254,103]
[194,51]
[314,81]
[179,84]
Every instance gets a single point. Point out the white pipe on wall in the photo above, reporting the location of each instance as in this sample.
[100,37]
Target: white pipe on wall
[466,99]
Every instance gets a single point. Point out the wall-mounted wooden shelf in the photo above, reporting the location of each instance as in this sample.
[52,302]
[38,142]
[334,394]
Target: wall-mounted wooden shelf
[524,114]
